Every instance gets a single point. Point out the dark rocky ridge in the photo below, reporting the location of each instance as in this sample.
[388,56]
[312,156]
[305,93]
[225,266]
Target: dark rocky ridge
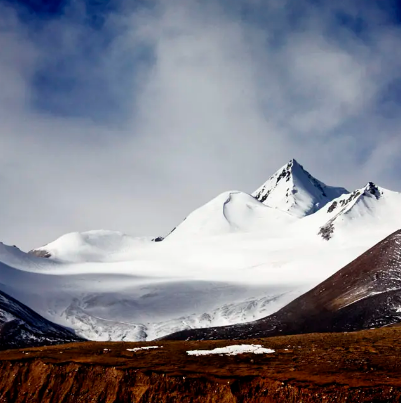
[20,326]
[364,294]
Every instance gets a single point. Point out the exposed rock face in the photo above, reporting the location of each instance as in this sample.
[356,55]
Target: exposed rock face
[20,326]
[40,253]
[364,294]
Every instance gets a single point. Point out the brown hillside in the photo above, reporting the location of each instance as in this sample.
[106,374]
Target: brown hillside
[351,367]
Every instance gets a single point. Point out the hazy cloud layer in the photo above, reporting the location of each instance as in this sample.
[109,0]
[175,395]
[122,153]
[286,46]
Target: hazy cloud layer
[132,124]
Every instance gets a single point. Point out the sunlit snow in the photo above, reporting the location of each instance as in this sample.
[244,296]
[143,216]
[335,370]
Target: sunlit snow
[143,348]
[234,350]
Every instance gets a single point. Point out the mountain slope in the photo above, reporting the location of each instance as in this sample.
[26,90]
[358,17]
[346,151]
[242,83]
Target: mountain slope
[20,326]
[92,246]
[230,212]
[367,209]
[366,293]
[294,190]
[138,298]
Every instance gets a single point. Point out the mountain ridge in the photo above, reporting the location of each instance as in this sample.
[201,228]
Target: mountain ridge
[20,326]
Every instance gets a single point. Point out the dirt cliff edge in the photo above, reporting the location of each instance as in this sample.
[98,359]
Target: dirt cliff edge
[37,381]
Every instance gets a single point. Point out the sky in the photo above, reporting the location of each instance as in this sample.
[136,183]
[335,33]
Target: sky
[128,115]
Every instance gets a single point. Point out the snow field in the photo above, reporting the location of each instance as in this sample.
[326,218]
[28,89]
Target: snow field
[134,350]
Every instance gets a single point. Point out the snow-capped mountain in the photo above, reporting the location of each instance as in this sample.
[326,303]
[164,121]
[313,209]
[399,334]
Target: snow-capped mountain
[233,260]
[366,293]
[296,191]
[22,327]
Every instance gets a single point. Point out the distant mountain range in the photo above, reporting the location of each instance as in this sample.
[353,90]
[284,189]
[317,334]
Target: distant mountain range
[239,258]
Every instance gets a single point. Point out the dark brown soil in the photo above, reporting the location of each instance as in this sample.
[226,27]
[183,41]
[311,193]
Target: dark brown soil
[348,367]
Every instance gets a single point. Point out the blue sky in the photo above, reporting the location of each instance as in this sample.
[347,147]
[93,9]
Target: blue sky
[128,115]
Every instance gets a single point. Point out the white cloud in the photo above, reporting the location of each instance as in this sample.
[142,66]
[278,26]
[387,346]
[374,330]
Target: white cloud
[214,101]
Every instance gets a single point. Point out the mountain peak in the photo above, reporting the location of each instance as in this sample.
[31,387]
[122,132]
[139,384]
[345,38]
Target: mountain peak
[294,162]
[373,189]
[296,191]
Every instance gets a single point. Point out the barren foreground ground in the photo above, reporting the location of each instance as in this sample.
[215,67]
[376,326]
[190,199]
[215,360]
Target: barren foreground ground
[345,367]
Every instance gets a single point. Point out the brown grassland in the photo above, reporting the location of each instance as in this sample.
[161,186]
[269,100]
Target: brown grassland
[333,367]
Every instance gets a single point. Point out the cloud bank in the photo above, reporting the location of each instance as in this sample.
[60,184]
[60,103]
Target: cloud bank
[131,123]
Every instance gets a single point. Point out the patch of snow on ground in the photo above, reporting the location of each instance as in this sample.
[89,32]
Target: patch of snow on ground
[143,348]
[234,350]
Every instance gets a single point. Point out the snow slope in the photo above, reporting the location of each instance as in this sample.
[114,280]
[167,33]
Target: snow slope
[91,246]
[364,294]
[230,212]
[233,260]
[370,208]
[371,212]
